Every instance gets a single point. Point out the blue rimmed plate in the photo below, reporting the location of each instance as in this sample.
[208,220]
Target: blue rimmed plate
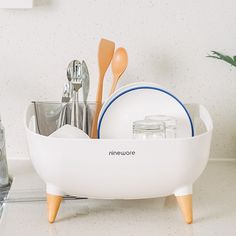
[134,102]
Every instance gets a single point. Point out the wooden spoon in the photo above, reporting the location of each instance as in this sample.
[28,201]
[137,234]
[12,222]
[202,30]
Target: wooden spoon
[118,64]
[105,54]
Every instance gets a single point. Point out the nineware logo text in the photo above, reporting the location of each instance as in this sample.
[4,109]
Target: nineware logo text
[121,153]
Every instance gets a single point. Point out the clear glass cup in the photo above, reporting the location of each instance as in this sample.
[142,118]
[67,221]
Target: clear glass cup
[169,122]
[148,129]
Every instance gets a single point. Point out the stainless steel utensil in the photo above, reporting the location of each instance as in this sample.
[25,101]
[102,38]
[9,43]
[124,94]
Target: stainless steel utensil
[28,195]
[76,85]
[46,125]
[65,100]
[85,88]
[77,76]
[67,95]
[37,199]
[69,77]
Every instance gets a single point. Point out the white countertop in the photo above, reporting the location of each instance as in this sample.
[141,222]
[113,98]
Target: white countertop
[214,206]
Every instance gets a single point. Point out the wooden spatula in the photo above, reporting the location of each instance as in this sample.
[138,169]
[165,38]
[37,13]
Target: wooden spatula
[105,54]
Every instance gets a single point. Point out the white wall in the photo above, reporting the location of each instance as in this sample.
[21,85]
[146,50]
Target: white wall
[167,42]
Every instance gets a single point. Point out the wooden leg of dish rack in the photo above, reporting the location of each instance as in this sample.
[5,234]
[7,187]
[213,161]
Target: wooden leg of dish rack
[185,204]
[54,203]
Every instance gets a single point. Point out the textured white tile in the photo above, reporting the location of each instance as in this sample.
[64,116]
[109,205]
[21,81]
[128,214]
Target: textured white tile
[167,42]
[16,3]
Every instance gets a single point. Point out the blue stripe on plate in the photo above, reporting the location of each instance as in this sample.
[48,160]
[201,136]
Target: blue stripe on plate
[144,87]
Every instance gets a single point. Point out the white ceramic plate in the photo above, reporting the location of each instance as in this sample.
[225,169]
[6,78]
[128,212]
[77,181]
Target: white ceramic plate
[123,88]
[134,102]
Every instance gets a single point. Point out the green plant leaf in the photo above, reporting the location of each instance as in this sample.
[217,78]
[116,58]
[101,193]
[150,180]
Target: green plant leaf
[228,59]
[213,56]
[217,53]
[220,56]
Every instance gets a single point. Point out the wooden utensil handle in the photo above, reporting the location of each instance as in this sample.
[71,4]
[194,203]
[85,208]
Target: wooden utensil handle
[94,131]
[114,83]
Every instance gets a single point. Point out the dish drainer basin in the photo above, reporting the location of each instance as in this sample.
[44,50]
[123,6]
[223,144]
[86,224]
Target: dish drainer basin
[120,168]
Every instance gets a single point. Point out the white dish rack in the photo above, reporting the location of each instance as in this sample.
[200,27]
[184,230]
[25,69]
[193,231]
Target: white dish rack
[118,168]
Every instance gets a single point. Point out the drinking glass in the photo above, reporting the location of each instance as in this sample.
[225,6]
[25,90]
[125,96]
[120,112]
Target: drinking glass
[169,122]
[148,129]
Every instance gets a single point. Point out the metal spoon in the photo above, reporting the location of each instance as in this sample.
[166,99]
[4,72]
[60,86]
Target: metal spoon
[85,87]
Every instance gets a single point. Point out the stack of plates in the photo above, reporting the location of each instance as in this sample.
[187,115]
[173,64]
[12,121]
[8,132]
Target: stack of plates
[134,102]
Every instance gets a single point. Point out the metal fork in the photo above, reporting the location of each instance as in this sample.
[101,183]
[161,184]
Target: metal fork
[76,85]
